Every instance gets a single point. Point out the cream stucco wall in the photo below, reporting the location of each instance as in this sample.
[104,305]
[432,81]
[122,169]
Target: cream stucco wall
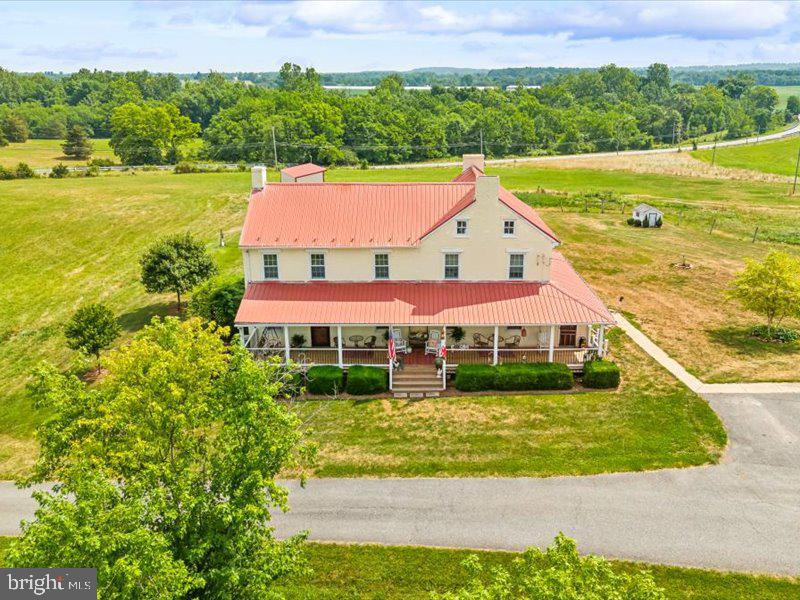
[483,251]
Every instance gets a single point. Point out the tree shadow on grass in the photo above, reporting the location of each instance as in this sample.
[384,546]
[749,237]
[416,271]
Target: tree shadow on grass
[739,339]
[136,319]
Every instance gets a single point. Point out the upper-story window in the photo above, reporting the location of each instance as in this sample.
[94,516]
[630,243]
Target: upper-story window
[270,266]
[317,266]
[509,227]
[461,227]
[516,266]
[451,266]
[381,266]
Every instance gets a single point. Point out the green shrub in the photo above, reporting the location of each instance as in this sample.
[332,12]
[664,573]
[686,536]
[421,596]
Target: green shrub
[327,380]
[659,222]
[637,223]
[631,221]
[23,171]
[474,378]
[363,380]
[783,335]
[218,300]
[533,376]
[645,222]
[185,167]
[59,171]
[600,374]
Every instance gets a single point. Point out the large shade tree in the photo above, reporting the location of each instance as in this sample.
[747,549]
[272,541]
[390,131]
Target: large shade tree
[176,264]
[168,468]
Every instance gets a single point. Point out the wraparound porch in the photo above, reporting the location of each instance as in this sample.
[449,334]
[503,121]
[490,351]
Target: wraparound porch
[347,345]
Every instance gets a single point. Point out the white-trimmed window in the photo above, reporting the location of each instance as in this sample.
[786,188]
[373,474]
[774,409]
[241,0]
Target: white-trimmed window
[317,265]
[271,266]
[381,266]
[509,227]
[461,227]
[451,266]
[516,266]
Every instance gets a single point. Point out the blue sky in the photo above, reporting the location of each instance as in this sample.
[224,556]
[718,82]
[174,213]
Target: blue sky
[354,36]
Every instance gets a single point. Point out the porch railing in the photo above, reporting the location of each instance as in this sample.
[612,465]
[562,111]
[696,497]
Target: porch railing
[483,356]
[327,356]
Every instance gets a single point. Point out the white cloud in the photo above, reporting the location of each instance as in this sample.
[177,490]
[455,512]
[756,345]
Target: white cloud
[79,53]
[703,20]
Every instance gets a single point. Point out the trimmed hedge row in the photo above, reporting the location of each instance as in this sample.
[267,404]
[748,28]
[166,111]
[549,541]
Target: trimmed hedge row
[600,374]
[361,380]
[325,380]
[516,377]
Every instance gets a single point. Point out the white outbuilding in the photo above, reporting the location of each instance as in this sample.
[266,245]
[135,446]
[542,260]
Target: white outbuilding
[645,212]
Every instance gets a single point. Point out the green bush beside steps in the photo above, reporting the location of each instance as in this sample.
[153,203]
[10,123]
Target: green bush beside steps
[534,376]
[359,380]
[517,377]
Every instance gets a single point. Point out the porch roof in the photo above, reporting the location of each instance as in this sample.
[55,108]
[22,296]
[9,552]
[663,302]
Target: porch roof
[566,299]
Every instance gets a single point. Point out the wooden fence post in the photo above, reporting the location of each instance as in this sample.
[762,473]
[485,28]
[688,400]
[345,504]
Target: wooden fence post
[713,224]
[755,233]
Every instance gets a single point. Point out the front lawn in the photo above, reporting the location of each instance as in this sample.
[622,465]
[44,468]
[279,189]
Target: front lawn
[393,572]
[651,422]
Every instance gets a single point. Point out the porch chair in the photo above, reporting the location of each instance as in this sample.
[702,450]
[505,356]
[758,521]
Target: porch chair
[513,341]
[400,344]
[479,340]
[433,342]
[500,340]
[369,342]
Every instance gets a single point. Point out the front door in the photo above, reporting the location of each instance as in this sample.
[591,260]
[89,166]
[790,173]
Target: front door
[320,337]
[567,335]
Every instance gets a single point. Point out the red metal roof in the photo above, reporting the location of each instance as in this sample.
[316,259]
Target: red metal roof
[303,170]
[362,215]
[566,299]
[349,215]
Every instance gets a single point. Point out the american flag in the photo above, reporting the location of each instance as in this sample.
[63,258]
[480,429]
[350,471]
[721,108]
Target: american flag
[442,350]
[391,348]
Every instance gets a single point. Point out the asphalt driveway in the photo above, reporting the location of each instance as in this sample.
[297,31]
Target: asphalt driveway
[743,514]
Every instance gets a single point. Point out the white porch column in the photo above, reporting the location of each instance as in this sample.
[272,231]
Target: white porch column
[286,354]
[601,341]
[494,348]
[339,345]
[550,351]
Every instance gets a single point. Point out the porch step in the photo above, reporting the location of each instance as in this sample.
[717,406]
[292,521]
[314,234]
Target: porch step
[416,385]
[426,376]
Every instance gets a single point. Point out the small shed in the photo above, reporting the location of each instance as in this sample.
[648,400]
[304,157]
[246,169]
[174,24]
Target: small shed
[305,173]
[645,212]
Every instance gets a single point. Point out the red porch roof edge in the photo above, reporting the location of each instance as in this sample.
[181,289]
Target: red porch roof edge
[303,170]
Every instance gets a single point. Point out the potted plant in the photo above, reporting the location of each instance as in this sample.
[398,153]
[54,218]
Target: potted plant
[439,362]
[298,340]
[457,334]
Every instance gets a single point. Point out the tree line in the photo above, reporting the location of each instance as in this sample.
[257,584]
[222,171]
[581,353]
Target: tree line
[157,118]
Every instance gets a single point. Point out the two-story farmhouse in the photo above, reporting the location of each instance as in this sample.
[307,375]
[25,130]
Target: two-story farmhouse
[333,269]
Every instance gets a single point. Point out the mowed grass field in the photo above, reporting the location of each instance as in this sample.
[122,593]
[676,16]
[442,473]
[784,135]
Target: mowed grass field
[651,422]
[372,572]
[75,240]
[779,157]
[47,153]
[65,242]
[784,91]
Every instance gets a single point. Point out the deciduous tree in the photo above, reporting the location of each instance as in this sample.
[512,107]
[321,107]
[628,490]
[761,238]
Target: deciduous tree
[92,328]
[171,462]
[770,288]
[558,573]
[176,264]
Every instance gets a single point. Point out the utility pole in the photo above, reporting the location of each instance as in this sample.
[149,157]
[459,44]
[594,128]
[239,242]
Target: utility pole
[274,148]
[481,132]
[796,170]
[714,152]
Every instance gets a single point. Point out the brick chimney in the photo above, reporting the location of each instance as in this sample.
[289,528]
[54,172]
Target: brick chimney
[258,178]
[472,160]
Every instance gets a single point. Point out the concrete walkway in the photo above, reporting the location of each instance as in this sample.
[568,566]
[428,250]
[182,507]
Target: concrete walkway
[692,382]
